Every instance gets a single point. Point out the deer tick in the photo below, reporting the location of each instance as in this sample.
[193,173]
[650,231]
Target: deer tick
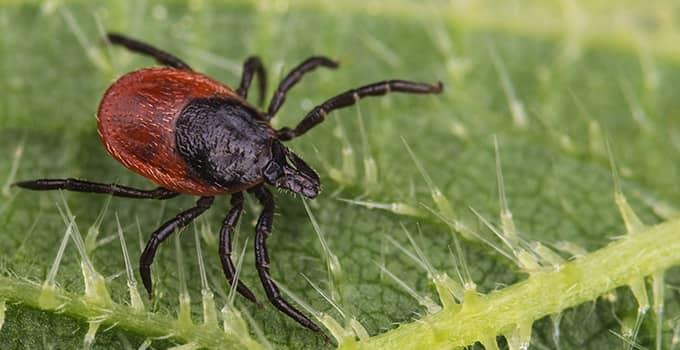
[193,135]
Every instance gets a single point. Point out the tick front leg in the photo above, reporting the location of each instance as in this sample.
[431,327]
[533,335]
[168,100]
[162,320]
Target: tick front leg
[139,47]
[95,187]
[225,246]
[263,229]
[293,77]
[162,233]
[252,68]
[350,97]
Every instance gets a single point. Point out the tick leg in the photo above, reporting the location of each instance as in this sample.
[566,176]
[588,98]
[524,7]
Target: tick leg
[225,245]
[263,229]
[293,77]
[160,56]
[94,187]
[162,233]
[350,97]
[253,67]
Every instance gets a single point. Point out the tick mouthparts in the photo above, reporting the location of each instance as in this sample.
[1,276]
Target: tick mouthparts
[298,183]
[310,193]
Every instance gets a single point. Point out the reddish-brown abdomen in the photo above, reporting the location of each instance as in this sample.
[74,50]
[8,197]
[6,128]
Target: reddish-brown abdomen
[136,124]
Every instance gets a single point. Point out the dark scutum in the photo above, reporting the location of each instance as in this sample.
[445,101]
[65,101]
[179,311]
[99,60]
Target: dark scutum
[224,142]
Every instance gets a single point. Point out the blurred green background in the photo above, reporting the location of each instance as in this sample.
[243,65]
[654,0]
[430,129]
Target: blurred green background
[553,81]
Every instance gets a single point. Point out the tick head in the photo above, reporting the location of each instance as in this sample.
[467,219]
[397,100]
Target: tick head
[288,171]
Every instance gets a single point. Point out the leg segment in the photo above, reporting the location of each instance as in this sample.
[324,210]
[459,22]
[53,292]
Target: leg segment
[225,245]
[162,233]
[293,77]
[160,56]
[350,97]
[263,229]
[94,187]
[253,67]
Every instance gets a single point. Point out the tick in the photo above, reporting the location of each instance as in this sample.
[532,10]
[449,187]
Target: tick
[193,135]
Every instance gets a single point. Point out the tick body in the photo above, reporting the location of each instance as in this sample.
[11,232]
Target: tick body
[185,132]
[190,134]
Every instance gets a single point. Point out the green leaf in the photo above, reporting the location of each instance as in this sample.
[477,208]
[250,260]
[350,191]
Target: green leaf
[580,98]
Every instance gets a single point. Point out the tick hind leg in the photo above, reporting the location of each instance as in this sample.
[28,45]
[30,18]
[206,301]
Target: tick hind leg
[350,97]
[162,233]
[160,56]
[225,246]
[293,77]
[252,68]
[95,187]
[263,229]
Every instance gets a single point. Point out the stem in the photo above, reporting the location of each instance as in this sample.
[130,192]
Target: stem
[147,324]
[633,257]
